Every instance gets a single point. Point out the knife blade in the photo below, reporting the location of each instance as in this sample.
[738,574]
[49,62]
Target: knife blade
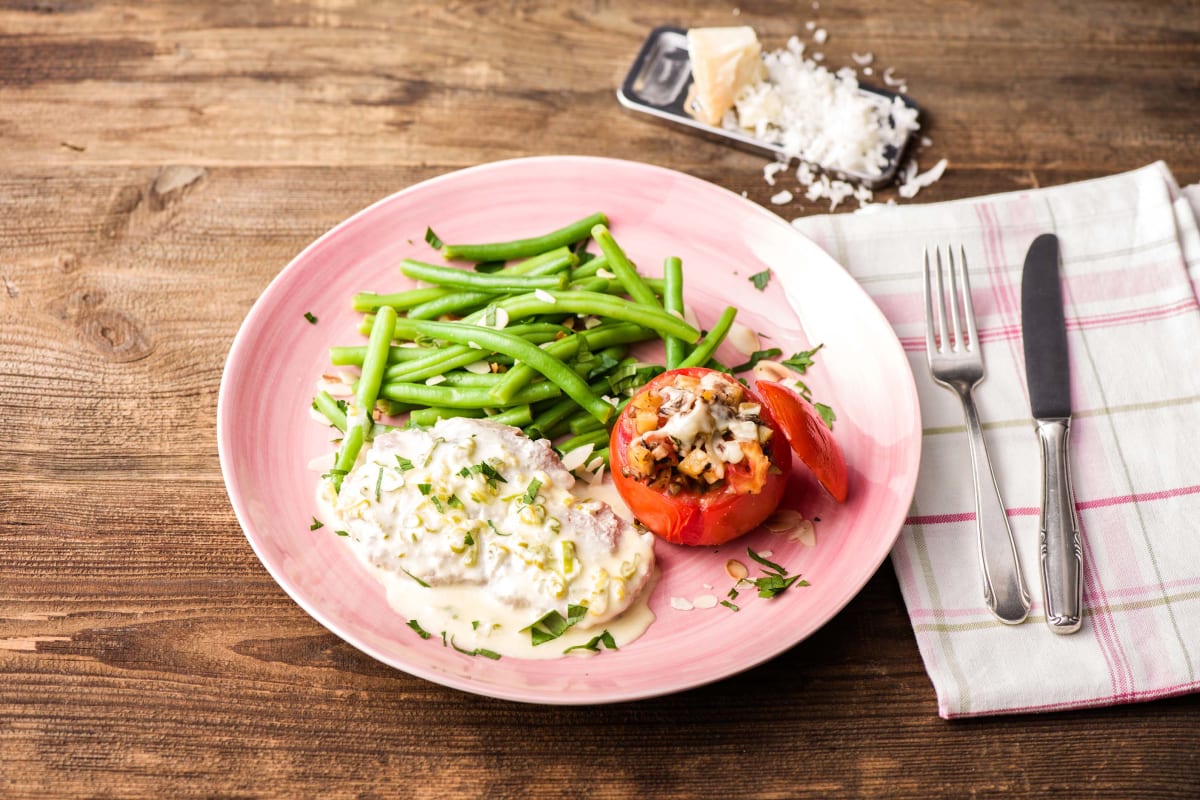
[1048,373]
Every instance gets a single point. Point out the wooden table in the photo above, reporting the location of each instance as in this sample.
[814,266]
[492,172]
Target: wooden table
[161,162]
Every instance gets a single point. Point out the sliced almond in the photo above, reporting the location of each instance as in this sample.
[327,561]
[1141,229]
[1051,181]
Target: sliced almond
[481,367]
[337,384]
[744,339]
[805,533]
[705,601]
[576,458]
[784,519]
[771,371]
[736,569]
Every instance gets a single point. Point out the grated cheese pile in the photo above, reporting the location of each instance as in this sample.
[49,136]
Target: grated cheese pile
[822,119]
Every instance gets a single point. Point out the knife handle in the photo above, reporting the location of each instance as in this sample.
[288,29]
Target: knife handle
[1059,543]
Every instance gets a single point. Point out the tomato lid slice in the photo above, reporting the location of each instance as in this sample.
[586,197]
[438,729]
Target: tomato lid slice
[809,437]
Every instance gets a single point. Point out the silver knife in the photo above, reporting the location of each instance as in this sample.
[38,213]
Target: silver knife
[1047,371]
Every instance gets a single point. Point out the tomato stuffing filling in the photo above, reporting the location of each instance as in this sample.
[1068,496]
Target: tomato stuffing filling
[699,434]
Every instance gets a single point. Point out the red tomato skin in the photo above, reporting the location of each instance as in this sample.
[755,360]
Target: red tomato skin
[809,437]
[690,518]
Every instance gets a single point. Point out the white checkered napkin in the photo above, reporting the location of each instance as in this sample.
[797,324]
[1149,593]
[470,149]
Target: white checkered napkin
[1131,270]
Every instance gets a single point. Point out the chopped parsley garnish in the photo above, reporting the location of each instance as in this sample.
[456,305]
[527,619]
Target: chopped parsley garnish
[771,565]
[826,414]
[416,626]
[378,484]
[594,643]
[755,357]
[803,360]
[485,469]
[414,577]
[474,624]
[437,503]
[454,502]
[761,279]
[531,491]
[775,581]
[312,318]
[404,464]
[424,488]
[335,474]
[342,533]
[730,605]
[429,458]
[478,651]
[432,239]
[468,540]
[552,624]
[316,524]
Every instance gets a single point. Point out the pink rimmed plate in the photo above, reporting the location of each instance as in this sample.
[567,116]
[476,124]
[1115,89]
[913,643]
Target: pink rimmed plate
[267,438]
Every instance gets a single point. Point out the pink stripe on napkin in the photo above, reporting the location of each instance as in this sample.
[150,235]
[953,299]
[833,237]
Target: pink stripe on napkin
[1131,267]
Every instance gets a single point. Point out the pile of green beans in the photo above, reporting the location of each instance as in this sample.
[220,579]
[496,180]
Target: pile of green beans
[535,335]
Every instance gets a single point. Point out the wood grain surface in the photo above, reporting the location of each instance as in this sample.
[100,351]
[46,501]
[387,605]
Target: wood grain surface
[160,162]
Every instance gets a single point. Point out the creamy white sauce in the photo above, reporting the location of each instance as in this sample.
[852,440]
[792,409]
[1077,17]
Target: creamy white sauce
[479,553]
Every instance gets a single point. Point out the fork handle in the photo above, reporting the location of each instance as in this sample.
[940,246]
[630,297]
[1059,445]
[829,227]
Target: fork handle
[1003,587]
[1060,546]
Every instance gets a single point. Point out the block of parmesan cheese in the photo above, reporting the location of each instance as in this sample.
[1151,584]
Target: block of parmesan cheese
[723,61]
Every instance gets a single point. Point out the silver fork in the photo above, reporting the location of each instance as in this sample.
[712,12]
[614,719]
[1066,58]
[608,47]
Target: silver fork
[956,362]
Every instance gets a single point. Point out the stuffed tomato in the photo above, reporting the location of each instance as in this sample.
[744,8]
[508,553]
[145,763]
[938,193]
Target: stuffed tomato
[698,457]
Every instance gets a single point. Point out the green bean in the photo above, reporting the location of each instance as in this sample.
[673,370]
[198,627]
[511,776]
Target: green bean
[589,268]
[517,416]
[551,420]
[465,279]
[369,301]
[353,356]
[347,455]
[457,378]
[464,396]
[521,248]
[366,393]
[675,350]
[704,351]
[444,359]
[584,424]
[328,406]
[498,341]
[545,422]
[623,269]
[596,338]
[551,263]
[592,438]
[597,304]
[424,417]
[374,362]
[390,408]
[438,363]
[596,284]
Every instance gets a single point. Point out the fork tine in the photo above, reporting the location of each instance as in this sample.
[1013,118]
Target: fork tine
[953,301]
[930,341]
[968,304]
[940,305]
